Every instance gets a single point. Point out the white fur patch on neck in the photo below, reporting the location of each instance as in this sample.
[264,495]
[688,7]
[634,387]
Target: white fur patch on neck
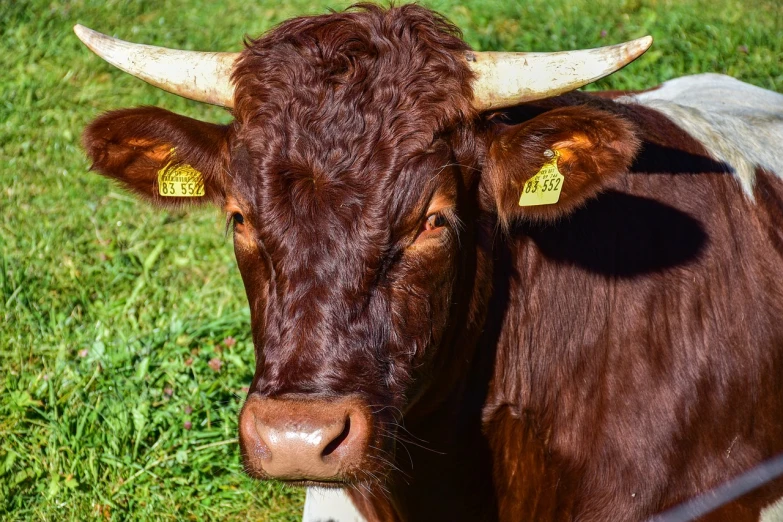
[325,505]
[773,512]
[739,124]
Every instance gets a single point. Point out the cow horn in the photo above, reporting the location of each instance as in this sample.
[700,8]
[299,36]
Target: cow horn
[506,79]
[200,76]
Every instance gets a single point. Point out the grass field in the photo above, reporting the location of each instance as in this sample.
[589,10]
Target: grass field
[124,342]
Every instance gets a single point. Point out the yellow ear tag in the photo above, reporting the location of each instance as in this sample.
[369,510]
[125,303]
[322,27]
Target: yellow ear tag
[182,181]
[543,188]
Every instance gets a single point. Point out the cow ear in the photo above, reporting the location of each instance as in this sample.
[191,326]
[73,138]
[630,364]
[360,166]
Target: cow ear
[161,156]
[548,166]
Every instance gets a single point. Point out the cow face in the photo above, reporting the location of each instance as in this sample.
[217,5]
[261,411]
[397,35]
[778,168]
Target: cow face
[350,177]
[347,220]
[346,178]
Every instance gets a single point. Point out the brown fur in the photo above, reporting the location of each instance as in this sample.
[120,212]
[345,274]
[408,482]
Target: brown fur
[603,359]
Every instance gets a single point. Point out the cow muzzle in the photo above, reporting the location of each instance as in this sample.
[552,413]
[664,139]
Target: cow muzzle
[306,441]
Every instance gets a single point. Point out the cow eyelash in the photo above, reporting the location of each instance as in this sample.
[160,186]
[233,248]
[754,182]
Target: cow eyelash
[443,219]
[234,218]
[446,217]
[435,220]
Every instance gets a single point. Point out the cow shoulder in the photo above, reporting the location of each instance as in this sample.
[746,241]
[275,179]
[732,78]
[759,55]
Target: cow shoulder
[737,123]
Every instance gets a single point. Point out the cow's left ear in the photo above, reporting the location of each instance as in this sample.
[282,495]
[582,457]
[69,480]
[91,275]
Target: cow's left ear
[548,166]
[161,156]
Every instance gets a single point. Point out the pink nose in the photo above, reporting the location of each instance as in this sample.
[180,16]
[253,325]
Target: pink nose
[303,439]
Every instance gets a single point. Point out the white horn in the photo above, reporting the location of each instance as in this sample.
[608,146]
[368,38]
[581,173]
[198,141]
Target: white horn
[204,77]
[506,79]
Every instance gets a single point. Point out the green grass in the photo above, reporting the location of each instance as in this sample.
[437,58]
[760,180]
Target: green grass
[111,311]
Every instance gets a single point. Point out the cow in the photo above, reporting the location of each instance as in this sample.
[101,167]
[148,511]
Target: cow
[477,293]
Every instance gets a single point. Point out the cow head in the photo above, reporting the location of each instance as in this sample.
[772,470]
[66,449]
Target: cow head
[354,175]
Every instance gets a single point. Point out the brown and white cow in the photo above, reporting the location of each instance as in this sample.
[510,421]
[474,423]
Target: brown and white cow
[435,347]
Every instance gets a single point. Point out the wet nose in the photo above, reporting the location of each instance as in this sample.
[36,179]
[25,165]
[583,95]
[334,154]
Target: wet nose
[293,439]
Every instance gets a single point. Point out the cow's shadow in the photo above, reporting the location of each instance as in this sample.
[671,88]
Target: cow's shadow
[621,235]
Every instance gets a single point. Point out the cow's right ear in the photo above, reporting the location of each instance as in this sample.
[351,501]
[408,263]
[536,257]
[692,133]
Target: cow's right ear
[165,158]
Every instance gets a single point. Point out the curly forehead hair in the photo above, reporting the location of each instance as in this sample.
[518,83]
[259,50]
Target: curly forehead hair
[381,76]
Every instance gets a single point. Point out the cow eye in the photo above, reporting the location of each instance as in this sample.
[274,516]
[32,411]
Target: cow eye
[238,218]
[434,221]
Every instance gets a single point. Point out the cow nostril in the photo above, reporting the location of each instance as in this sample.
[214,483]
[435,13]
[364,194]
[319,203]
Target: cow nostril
[335,443]
[303,439]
